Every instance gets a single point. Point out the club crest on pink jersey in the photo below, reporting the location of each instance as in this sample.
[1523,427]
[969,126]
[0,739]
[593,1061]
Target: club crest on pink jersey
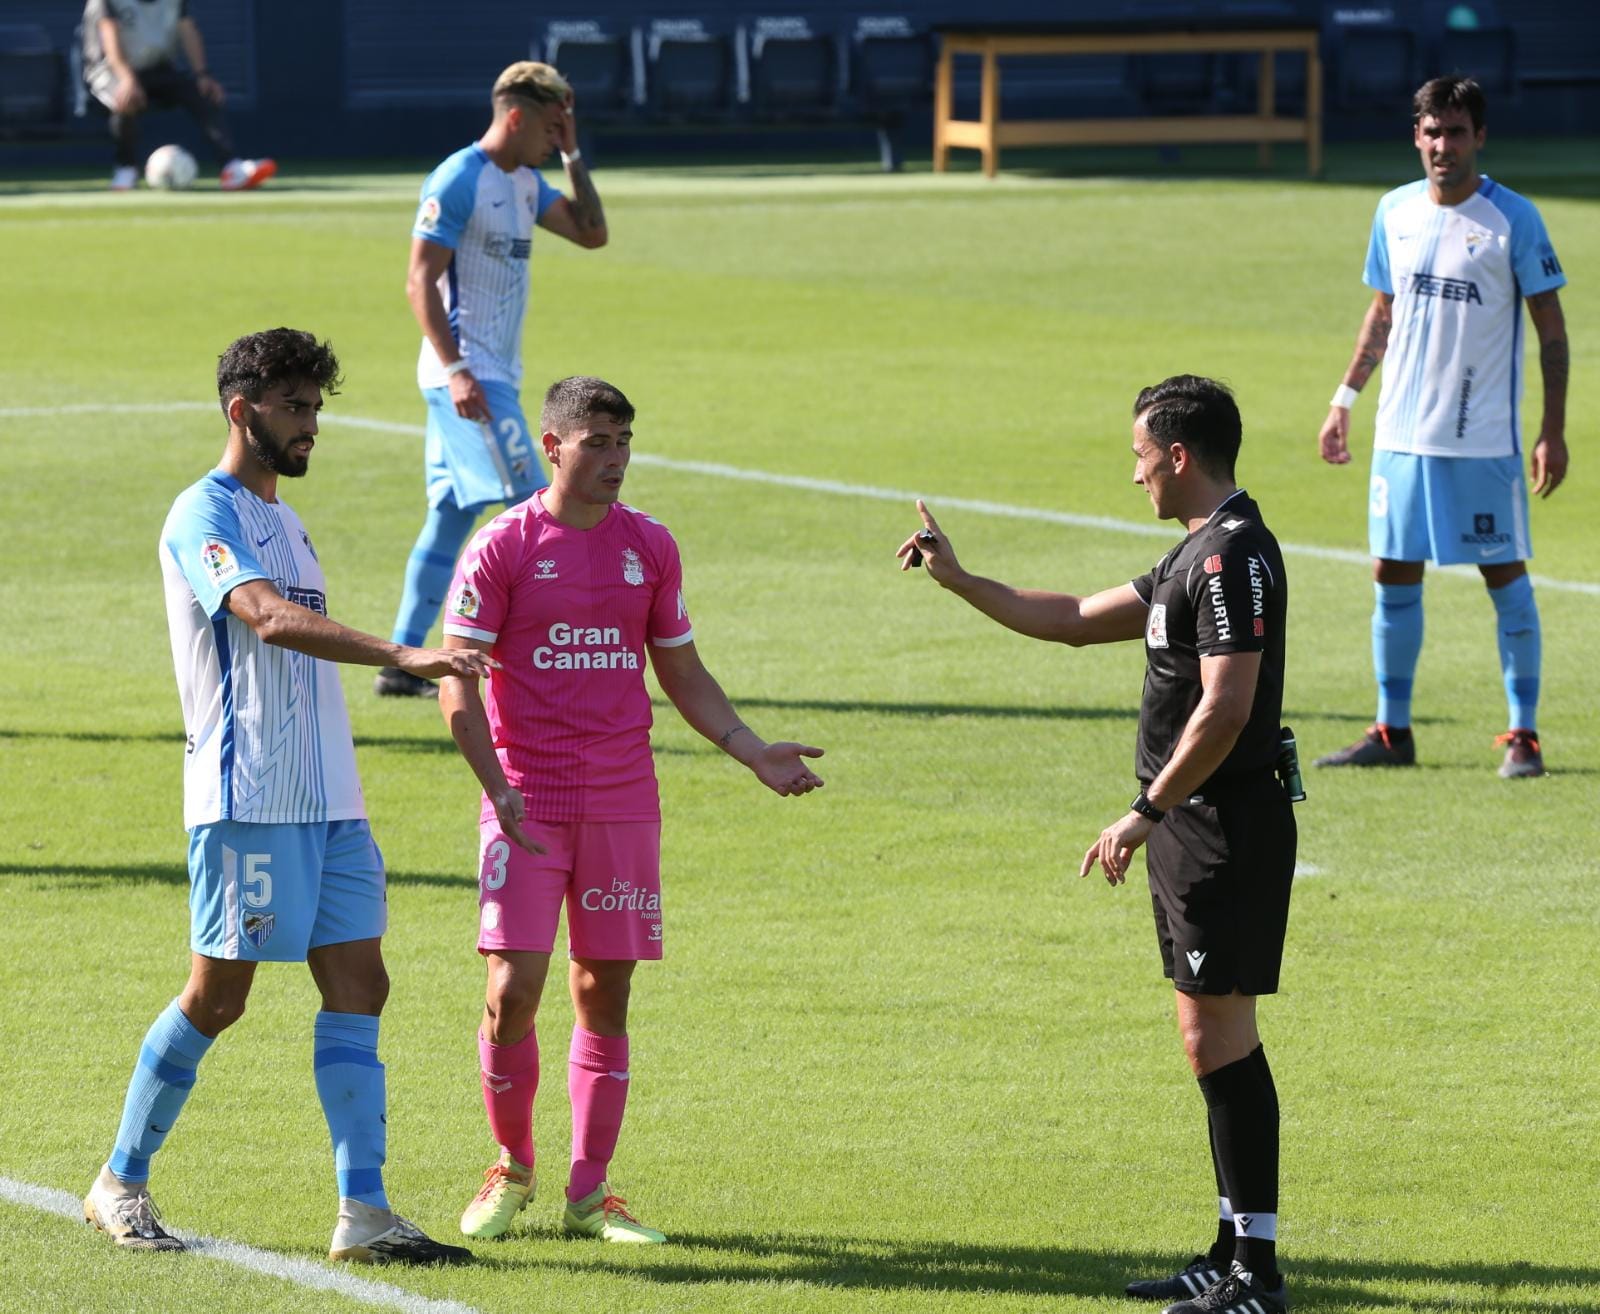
[632,567]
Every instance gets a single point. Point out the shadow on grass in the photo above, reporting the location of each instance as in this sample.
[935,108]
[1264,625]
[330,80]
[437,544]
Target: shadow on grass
[87,876]
[1051,1270]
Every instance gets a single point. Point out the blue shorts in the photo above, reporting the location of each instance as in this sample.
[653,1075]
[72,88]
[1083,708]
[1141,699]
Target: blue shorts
[477,463]
[267,894]
[1450,510]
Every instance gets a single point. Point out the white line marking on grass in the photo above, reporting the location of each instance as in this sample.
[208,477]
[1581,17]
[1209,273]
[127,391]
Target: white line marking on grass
[1306,869]
[301,1272]
[710,469]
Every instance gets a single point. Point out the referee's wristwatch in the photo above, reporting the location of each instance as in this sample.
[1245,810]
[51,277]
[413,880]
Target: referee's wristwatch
[1145,808]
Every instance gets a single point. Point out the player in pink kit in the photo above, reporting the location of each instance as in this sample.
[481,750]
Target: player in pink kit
[570,591]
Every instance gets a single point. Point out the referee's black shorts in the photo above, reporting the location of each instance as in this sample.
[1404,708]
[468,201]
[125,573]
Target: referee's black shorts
[1220,874]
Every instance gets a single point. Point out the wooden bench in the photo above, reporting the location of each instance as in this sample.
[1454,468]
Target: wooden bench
[989,133]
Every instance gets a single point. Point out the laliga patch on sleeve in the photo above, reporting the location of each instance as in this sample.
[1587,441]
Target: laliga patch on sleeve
[465,602]
[218,561]
[428,214]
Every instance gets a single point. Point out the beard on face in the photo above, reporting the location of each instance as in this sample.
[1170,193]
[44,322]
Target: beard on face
[273,456]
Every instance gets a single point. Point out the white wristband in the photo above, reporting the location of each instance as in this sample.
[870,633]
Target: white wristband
[456,367]
[571,158]
[1344,397]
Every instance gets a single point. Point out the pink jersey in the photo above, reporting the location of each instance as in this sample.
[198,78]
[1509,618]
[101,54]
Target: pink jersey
[569,612]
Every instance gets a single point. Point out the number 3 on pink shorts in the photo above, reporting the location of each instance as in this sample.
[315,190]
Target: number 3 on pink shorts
[494,864]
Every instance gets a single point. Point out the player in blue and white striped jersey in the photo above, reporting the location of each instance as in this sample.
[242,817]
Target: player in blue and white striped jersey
[468,287]
[1451,259]
[282,865]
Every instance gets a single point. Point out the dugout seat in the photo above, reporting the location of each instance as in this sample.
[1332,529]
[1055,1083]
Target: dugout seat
[32,82]
[689,69]
[792,69]
[889,77]
[1377,68]
[595,56]
[1487,54]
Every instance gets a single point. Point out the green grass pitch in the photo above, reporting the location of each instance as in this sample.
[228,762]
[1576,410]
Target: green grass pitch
[898,1057]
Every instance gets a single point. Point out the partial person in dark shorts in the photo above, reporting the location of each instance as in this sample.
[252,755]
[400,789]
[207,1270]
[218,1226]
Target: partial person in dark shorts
[1219,825]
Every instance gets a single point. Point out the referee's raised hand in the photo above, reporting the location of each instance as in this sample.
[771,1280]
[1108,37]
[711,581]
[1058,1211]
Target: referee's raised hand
[930,548]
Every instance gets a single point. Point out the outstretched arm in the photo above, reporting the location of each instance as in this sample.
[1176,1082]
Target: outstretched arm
[1550,452]
[461,705]
[1371,343]
[1106,617]
[286,624]
[781,767]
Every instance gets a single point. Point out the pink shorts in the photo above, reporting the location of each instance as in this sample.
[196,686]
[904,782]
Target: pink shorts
[607,872]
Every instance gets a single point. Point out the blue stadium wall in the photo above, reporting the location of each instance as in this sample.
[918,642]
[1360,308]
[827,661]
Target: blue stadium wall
[392,78]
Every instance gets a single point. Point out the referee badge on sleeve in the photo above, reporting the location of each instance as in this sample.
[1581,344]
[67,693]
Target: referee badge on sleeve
[1155,630]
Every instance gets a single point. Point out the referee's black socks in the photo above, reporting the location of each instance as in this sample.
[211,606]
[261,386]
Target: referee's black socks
[1242,1104]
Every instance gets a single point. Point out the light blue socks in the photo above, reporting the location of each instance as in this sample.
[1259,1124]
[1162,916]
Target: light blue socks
[171,1052]
[1396,645]
[1517,630]
[428,570]
[351,1088]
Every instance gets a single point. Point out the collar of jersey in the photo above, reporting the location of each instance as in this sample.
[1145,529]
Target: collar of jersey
[543,513]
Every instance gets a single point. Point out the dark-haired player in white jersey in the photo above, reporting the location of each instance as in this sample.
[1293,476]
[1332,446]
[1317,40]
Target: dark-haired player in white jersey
[282,865]
[467,283]
[1451,260]
[1218,824]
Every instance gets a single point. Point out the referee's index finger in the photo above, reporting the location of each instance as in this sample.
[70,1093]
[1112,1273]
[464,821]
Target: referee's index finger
[927,516]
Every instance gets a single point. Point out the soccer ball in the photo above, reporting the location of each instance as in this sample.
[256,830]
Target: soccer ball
[170,168]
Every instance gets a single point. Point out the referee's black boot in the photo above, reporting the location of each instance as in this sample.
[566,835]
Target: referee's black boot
[1239,1292]
[1200,1273]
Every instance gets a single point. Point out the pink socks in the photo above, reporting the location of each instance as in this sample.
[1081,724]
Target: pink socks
[597,1081]
[510,1078]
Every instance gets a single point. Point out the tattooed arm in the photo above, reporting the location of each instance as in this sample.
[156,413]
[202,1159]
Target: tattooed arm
[579,218]
[1550,452]
[1371,343]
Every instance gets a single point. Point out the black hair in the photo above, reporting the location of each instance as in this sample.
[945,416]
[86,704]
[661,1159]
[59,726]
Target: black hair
[1198,412]
[1454,91]
[570,400]
[258,362]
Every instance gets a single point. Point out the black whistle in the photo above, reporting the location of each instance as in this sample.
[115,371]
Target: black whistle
[926,536]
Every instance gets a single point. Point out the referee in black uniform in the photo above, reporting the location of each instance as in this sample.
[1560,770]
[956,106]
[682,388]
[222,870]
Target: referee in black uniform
[1219,825]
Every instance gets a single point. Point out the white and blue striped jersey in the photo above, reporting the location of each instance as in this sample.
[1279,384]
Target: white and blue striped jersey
[1452,374]
[486,217]
[268,735]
